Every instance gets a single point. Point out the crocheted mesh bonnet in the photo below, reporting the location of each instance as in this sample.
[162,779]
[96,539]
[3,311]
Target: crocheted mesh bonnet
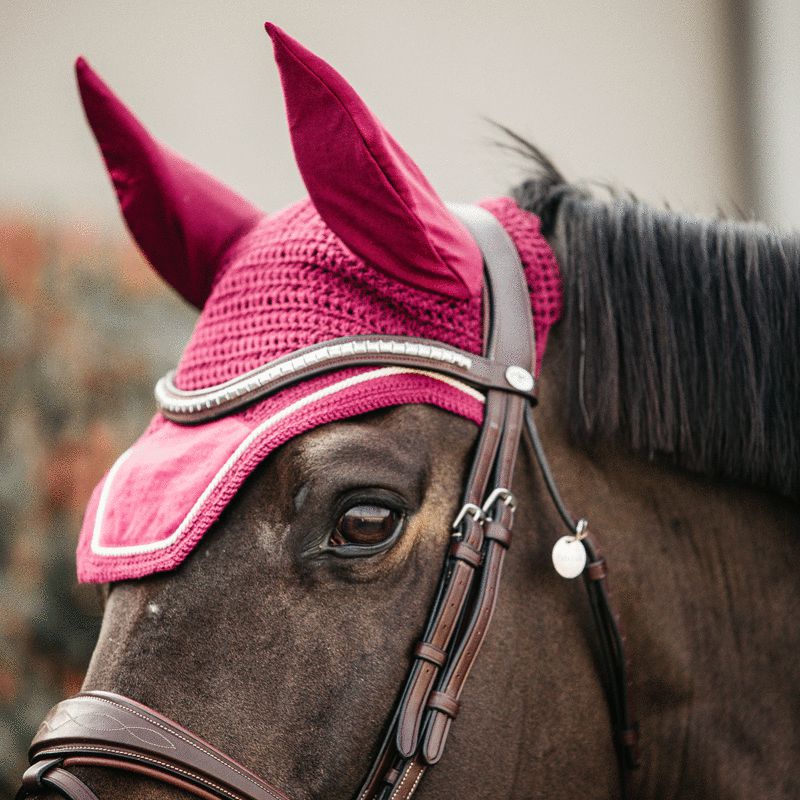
[290,283]
[279,283]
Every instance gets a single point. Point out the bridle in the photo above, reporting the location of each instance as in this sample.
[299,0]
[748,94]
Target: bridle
[102,729]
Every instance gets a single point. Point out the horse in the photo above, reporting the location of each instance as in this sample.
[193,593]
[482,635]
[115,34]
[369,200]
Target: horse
[666,404]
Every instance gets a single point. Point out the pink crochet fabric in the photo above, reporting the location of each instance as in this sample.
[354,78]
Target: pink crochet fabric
[288,283]
[315,289]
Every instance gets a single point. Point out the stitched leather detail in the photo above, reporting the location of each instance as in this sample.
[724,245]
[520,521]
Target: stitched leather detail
[409,782]
[73,729]
[455,676]
[145,759]
[441,628]
[107,697]
[158,774]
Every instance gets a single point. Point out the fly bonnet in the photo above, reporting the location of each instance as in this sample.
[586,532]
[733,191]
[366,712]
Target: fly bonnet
[373,250]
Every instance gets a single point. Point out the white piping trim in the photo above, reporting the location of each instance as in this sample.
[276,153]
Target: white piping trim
[160,544]
[101,504]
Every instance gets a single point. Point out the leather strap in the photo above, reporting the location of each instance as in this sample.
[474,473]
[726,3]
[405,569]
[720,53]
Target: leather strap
[47,776]
[430,652]
[613,654]
[617,666]
[431,697]
[452,681]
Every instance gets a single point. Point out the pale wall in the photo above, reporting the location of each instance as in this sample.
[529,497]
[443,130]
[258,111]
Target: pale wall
[638,93]
[775,112]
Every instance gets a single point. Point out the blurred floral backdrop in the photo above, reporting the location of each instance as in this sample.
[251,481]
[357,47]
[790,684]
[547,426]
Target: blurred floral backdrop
[87,329]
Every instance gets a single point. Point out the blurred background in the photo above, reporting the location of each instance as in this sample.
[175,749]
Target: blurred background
[692,103]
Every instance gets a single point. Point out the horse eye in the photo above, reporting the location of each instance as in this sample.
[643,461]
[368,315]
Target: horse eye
[366,525]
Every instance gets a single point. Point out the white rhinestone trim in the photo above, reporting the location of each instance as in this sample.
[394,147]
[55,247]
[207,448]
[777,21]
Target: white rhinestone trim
[177,401]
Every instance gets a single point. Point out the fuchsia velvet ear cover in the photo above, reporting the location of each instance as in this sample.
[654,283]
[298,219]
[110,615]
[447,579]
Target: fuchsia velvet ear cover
[272,284]
[365,186]
[182,219]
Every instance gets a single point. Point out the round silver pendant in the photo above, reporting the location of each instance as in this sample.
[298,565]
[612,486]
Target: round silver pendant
[569,557]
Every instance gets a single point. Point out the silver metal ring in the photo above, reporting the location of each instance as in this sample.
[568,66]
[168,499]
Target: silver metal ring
[580,529]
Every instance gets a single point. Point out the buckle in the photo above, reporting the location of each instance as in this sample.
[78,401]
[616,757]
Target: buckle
[498,495]
[476,512]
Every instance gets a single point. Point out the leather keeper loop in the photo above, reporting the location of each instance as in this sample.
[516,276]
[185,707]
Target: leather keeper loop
[497,533]
[32,778]
[630,737]
[467,553]
[430,652]
[597,570]
[440,701]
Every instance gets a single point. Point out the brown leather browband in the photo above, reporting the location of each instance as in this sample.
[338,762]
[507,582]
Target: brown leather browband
[107,730]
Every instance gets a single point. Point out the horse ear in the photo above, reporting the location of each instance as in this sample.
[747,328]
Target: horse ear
[364,185]
[182,219]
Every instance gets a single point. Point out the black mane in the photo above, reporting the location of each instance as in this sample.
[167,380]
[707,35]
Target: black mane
[685,332]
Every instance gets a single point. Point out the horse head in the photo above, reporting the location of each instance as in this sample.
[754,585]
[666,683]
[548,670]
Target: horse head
[272,570]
